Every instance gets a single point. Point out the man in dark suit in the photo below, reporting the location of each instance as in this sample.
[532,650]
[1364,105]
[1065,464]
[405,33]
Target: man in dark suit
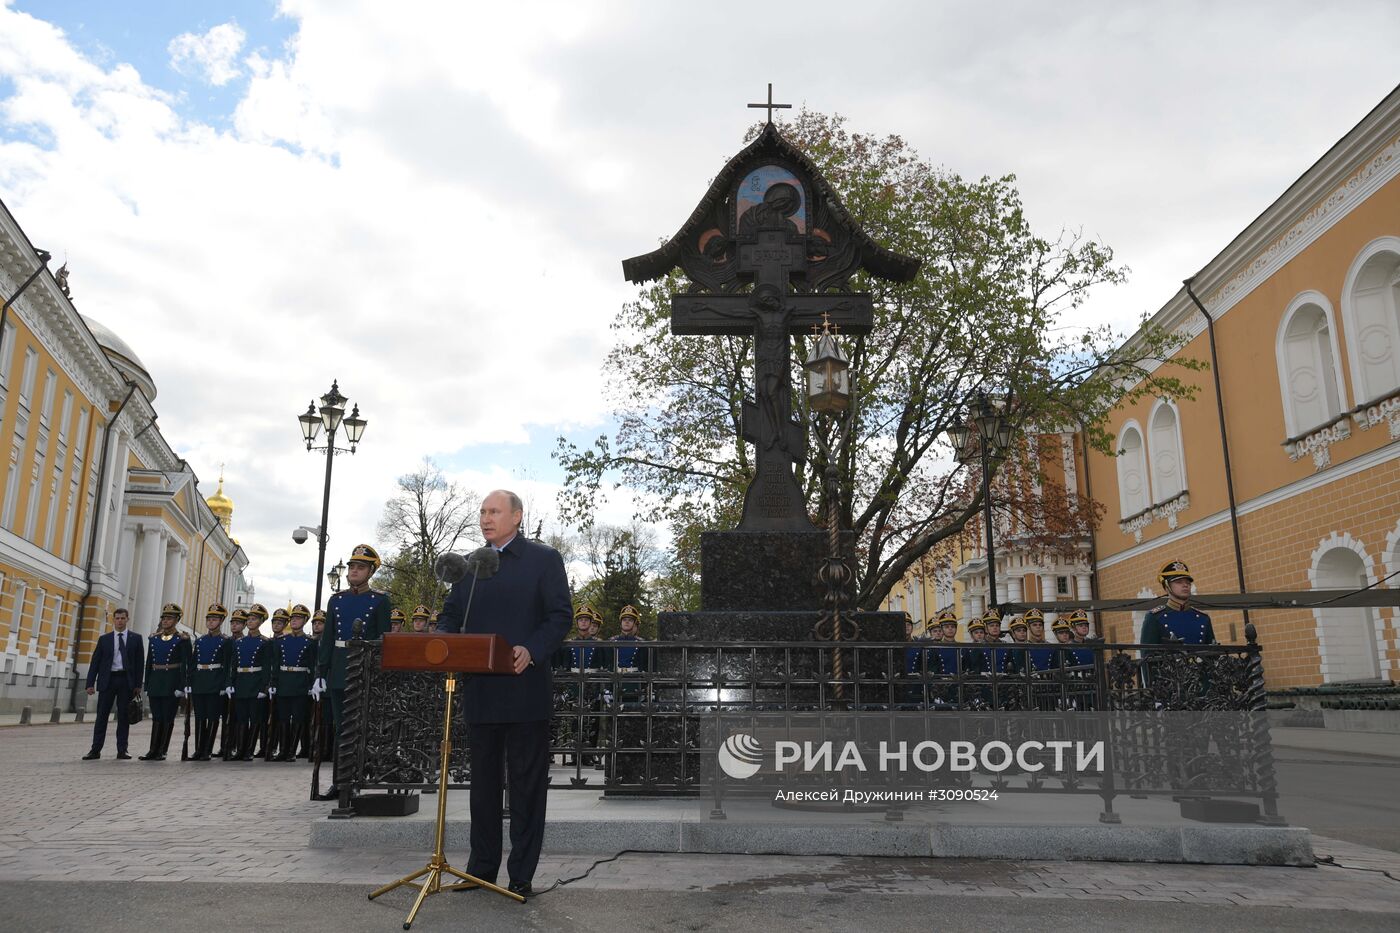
[114,674]
[527,602]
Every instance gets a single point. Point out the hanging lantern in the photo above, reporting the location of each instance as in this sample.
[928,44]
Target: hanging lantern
[828,376]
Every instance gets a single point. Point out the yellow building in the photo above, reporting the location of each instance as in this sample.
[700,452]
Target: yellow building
[1032,565]
[1305,305]
[97,510]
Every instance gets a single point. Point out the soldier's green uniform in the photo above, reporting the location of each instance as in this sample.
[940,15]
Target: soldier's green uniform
[270,715]
[167,675]
[237,622]
[293,673]
[367,606]
[249,678]
[210,657]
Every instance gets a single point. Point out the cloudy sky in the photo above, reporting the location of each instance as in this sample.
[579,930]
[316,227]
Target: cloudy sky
[430,201]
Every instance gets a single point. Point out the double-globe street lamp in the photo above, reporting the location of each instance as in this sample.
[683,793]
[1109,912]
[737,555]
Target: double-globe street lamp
[986,437]
[330,416]
[334,574]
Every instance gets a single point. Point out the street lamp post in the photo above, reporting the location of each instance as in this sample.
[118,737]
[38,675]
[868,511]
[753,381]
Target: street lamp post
[331,416]
[334,575]
[985,437]
[829,396]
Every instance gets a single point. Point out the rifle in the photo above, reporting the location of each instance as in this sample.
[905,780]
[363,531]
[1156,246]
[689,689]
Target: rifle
[271,740]
[316,751]
[188,700]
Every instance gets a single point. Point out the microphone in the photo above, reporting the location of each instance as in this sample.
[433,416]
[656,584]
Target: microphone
[482,564]
[449,567]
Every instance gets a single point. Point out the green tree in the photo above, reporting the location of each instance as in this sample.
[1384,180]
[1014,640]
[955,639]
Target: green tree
[429,516]
[624,562]
[990,309]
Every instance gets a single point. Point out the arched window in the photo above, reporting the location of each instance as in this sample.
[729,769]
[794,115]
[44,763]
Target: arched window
[1308,375]
[1168,468]
[1371,309]
[1134,494]
[1347,635]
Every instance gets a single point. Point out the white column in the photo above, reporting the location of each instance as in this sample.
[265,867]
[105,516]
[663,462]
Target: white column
[116,498]
[1082,589]
[152,576]
[1014,588]
[126,560]
[1047,588]
[174,578]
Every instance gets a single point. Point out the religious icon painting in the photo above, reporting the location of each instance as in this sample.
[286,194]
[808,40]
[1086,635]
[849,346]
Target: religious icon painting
[770,197]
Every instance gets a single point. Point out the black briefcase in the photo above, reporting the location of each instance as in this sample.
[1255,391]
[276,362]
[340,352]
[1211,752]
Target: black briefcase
[133,711]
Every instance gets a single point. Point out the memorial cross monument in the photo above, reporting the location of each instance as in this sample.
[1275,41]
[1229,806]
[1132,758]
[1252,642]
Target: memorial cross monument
[769,252]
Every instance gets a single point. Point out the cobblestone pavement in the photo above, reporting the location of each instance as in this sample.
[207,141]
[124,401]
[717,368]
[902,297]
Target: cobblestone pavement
[109,820]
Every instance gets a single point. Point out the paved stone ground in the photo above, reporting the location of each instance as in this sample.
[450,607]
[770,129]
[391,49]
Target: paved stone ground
[91,822]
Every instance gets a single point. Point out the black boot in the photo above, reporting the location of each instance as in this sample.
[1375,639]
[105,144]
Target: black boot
[157,727]
[231,736]
[247,736]
[165,740]
[289,732]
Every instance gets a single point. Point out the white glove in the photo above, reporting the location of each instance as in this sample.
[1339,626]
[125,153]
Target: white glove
[228,691]
[272,691]
[318,688]
[179,694]
[262,696]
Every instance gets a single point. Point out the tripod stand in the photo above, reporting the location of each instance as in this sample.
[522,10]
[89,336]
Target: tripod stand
[437,865]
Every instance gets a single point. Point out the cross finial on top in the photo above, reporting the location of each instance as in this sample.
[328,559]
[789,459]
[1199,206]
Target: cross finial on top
[770,106]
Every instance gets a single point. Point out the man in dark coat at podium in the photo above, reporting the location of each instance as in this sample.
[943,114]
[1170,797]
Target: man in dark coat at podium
[527,602]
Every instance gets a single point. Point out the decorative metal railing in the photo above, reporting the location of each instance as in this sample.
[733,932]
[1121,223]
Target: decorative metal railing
[1177,720]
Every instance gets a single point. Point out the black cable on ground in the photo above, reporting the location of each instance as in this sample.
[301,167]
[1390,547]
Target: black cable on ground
[589,870]
[1331,862]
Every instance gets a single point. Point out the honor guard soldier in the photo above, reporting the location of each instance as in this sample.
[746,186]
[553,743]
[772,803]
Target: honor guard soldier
[300,615]
[1177,621]
[914,653]
[167,676]
[420,620]
[268,710]
[356,603]
[999,659]
[1040,658]
[293,669]
[397,621]
[321,736]
[948,655]
[578,657]
[1020,635]
[249,677]
[237,624]
[629,657]
[211,653]
[976,661]
[1079,631]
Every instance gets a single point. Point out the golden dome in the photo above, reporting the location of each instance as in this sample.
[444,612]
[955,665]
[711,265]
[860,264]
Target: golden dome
[220,504]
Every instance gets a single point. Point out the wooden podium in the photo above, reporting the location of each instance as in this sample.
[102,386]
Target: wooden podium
[451,654]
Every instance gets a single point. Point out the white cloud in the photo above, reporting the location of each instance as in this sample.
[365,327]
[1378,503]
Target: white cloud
[435,214]
[212,56]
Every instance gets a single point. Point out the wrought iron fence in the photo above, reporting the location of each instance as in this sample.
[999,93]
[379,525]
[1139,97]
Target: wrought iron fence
[1178,720]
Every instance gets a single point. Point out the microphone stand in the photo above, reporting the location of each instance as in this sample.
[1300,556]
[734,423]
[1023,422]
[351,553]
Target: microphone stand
[438,865]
